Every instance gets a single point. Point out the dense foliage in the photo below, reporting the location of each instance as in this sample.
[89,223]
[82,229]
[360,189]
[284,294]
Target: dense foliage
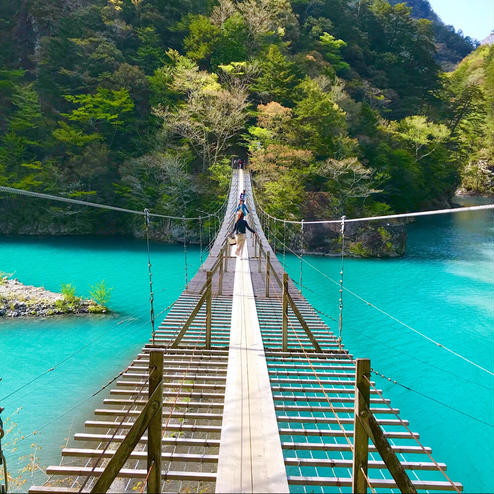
[341,107]
[452,46]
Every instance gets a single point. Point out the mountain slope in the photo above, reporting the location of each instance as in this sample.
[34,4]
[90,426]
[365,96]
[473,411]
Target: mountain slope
[452,45]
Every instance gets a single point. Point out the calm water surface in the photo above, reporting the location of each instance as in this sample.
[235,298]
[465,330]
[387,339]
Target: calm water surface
[443,287]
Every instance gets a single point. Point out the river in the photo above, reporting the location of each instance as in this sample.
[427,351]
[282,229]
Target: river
[443,287]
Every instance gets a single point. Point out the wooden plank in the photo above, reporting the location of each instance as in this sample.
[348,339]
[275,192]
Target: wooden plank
[166,441]
[128,473]
[174,404]
[334,409]
[346,447]
[337,463]
[107,424]
[250,431]
[376,483]
[340,433]
[139,455]
[333,420]
[173,415]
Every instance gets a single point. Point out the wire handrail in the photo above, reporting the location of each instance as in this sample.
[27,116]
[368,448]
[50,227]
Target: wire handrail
[41,195]
[375,218]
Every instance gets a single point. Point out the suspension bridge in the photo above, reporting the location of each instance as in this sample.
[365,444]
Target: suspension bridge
[244,388]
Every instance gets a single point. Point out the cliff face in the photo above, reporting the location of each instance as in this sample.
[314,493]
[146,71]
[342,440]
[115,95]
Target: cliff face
[361,240]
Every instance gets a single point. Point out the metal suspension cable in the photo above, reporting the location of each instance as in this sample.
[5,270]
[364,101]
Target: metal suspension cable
[185,254]
[40,195]
[320,383]
[415,437]
[382,311]
[284,248]
[386,217]
[340,320]
[151,294]
[301,254]
[468,381]
[200,241]
[408,388]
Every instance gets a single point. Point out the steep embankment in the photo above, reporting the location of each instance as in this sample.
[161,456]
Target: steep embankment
[473,82]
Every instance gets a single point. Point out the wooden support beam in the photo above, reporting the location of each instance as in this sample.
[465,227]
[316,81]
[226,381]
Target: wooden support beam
[389,457]
[220,276]
[209,289]
[154,429]
[192,316]
[303,324]
[128,444]
[361,439]
[268,268]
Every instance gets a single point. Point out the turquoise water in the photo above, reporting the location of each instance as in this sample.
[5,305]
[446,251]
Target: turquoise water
[443,287]
[97,347]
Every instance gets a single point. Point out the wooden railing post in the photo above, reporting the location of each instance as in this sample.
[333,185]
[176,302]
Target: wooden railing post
[285,313]
[220,276]
[154,429]
[209,287]
[226,254]
[128,445]
[259,257]
[360,438]
[268,269]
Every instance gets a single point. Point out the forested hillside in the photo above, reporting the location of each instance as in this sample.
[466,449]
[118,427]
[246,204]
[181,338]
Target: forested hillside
[452,46]
[341,107]
[474,80]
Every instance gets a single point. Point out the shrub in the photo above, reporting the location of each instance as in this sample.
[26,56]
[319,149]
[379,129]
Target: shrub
[68,291]
[101,293]
[358,249]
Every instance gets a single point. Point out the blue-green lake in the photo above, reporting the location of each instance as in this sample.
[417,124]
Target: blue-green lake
[443,287]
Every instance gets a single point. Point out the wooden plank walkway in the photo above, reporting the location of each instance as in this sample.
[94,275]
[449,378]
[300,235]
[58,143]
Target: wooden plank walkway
[244,416]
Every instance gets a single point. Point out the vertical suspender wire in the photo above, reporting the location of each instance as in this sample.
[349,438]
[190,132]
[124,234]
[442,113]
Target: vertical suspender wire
[301,254]
[185,251]
[340,320]
[200,240]
[209,231]
[151,294]
[284,245]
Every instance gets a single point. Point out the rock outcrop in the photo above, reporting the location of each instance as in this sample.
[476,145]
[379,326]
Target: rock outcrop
[18,300]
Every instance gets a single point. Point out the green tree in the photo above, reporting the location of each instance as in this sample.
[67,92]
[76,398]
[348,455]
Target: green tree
[278,77]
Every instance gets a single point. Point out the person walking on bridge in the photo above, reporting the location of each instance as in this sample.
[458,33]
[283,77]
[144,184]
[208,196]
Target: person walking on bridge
[239,229]
[242,208]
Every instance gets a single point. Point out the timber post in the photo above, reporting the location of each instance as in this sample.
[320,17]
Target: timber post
[285,313]
[226,255]
[259,253]
[268,267]
[154,429]
[209,283]
[220,276]
[360,438]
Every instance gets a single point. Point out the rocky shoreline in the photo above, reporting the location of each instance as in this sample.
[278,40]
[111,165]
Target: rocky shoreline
[19,300]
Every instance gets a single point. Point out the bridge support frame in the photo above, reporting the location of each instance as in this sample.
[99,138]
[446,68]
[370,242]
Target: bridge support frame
[365,427]
[209,289]
[149,419]
[285,313]
[268,272]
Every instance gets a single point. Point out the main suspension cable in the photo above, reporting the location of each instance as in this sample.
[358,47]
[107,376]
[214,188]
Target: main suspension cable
[382,311]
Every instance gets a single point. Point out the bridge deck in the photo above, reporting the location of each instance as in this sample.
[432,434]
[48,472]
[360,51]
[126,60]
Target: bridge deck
[244,415]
